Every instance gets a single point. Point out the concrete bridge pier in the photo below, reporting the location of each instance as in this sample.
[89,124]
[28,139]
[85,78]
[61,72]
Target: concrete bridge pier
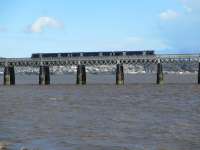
[9,75]
[160,75]
[44,75]
[199,74]
[81,75]
[120,74]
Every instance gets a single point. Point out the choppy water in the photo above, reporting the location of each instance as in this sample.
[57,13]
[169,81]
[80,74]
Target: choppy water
[138,116]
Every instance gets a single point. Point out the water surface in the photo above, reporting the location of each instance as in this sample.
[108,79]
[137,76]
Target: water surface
[102,116]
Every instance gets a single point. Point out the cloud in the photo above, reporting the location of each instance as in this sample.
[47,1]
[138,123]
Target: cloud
[44,22]
[191,5]
[169,15]
[183,34]
[186,5]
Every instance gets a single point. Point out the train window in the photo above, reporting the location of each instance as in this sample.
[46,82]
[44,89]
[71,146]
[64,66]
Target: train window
[35,56]
[130,53]
[69,54]
[75,54]
[149,52]
[118,53]
[91,54]
[50,55]
[106,53]
[139,53]
[64,54]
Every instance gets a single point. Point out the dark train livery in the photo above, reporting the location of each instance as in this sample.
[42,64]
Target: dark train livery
[93,54]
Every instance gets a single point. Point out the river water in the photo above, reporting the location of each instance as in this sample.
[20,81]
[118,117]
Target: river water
[101,116]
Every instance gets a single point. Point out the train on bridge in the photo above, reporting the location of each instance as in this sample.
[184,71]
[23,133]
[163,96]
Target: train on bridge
[93,54]
[84,59]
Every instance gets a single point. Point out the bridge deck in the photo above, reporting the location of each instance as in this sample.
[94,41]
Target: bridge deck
[110,60]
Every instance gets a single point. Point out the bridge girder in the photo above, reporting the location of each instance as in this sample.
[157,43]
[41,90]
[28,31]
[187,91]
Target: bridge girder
[95,61]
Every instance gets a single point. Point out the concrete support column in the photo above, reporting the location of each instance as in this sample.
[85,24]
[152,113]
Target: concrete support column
[120,74]
[81,75]
[12,75]
[44,75]
[9,75]
[199,74]
[160,75]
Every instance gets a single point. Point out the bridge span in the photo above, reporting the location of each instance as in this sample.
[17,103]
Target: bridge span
[9,65]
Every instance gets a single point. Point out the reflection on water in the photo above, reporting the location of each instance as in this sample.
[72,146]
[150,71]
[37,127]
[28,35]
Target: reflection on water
[102,116]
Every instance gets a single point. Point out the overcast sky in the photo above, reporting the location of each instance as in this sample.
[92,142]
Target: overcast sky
[30,26]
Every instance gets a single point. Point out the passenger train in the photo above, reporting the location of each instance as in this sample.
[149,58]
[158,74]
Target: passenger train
[93,54]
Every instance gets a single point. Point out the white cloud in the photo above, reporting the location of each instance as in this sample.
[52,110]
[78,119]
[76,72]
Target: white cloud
[186,5]
[183,34]
[44,22]
[191,5]
[169,15]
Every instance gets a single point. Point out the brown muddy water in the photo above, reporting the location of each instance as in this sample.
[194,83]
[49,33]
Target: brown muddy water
[101,116]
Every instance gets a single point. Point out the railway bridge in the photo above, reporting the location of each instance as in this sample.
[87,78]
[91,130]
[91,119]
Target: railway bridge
[9,65]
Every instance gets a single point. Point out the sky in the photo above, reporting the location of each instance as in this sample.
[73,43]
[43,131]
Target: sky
[34,26]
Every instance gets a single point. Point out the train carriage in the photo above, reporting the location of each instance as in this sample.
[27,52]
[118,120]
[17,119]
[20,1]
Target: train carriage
[92,54]
[50,55]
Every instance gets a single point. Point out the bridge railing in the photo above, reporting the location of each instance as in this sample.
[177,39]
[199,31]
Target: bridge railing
[78,58]
[178,55]
[108,57]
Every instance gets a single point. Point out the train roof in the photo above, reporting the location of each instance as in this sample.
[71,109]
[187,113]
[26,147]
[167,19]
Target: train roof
[95,52]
